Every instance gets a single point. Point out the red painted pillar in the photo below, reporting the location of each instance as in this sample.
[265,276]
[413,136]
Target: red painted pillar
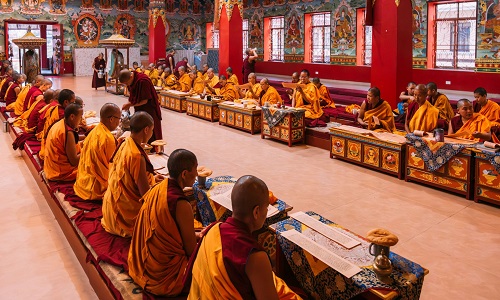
[157,40]
[391,68]
[231,41]
[43,48]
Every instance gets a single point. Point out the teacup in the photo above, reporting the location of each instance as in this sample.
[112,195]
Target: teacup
[202,181]
[377,249]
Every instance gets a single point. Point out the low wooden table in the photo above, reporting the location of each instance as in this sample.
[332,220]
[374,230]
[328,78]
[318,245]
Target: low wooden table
[237,116]
[173,100]
[202,108]
[290,128]
[383,152]
[487,179]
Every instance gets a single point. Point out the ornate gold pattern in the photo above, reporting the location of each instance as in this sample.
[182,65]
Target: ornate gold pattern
[156,13]
[229,9]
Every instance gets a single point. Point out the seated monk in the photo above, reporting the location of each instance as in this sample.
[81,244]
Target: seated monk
[34,88]
[14,89]
[488,108]
[170,81]
[268,94]
[211,80]
[153,74]
[184,84]
[164,235]
[29,118]
[229,263]
[421,115]
[227,91]
[308,97]
[324,95]
[440,102]
[18,105]
[231,77]
[4,85]
[253,92]
[50,114]
[197,83]
[131,175]
[204,70]
[375,113]
[31,124]
[62,149]
[287,98]
[97,149]
[135,67]
[468,121]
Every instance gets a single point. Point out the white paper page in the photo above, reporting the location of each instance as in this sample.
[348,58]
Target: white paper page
[331,259]
[224,199]
[158,161]
[271,211]
[93,120]
[325,230]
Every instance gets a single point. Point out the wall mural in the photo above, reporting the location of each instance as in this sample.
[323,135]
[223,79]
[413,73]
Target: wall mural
[125,25]
[419,27]
[343,47]
[488,36]
[294,36]
[87,30]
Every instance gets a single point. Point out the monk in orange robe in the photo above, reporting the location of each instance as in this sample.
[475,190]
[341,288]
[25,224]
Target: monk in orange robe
[62,149]
[170,81]
[38,103]
[254,89]
[184,84]
[98,147]
[34,87]
[130,177]
[269,94]
[6,82]
[230,264]
[421,115]
[375,113]
[13,90]
[440,102]
[231,77]
[211,80]
[488,108]
[468,122]
[18,105]
[164,235]
[324,95]
[197,83]
[228,91]
[308,97]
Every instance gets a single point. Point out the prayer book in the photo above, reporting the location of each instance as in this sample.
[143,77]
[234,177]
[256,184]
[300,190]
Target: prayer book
[291,85]
[328,257]
[224,199]
[420,133]
[489,147]
[328,231]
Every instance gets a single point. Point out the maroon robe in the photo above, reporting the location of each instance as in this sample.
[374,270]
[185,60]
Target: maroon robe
[5,86]
[99,64]
[456,123]
[182,63]
[27,103]
[34,117]
[11,96]
[42,119]
[142,89]
[248,67]
[237,245]
[412,109]
[168,62]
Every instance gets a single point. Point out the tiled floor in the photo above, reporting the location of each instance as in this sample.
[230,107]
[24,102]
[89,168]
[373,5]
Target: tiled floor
[456,239]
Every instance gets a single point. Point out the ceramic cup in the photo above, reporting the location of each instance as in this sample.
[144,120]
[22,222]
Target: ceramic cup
[376,250]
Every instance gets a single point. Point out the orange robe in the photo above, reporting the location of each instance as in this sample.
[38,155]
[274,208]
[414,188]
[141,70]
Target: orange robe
[18,106]
[443,105]
[199,85]
[211,83]
[228,92]
[93,169]
[56,165]
[311,103]
[156,258]
[271,96]
[22,120]
[154,76]
[384,114]
[257,89]
[478,123]
[210,277]
[324,94]
[234,79]
[49,118]
[184,84]
[121,203]
[491,111]
[425,118]
[170,82]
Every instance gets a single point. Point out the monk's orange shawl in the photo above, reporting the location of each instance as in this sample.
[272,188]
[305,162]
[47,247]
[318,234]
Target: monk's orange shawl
[312,103]
[477,123]
[425,118]
[384,114]
[491,111]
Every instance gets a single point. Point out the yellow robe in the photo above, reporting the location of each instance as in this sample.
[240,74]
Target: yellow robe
[229,92]
[121,203]
[234,79]
[425,118]
[56,165]
[184,84]
[147,72]
[170,82]
[199,85]
[156,258]
[271,96]
[210,278]
[491,111]
[211,83]
[154,76]
[257,89]
[93,169]
[325,95]
[478,123]
[18,105]
[3,82]
[22,120]
[51,117]
[445,110]
[311,104]
[384,114]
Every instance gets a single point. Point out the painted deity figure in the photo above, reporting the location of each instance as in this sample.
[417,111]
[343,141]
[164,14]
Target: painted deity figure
[170,5]
[196,7]
[125,28]
[139,5]
[293,32]
[87,3]
[105,4]
[184,6]
[343,28]
[494,23]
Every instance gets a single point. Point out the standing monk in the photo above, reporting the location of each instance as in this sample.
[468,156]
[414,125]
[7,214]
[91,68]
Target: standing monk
[164,235]
[98,147]
[130,177]
[249,63]
[230,264]
[488,108]
[98,65]
[143,97]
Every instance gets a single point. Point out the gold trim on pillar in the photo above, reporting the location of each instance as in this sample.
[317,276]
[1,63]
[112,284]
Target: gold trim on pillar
[156,13]
[397,2]
[229,9]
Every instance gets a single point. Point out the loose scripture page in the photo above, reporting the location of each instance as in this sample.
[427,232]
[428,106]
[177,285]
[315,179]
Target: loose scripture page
[325,230]
[224,199]
[331,259]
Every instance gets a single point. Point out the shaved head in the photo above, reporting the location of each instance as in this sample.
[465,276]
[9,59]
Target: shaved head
[72,109]
[46,82]
[109,110]
[124,75]
[79,100]
[139,121]
[248,192]
[462,102]
[48,95]
[38,79]
[181,160]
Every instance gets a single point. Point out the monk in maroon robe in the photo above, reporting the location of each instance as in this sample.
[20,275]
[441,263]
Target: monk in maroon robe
[143,97]
[7,82]
[36,85]
[249,63]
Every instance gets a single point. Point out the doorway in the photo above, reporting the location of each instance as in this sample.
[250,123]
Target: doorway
[51,55]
